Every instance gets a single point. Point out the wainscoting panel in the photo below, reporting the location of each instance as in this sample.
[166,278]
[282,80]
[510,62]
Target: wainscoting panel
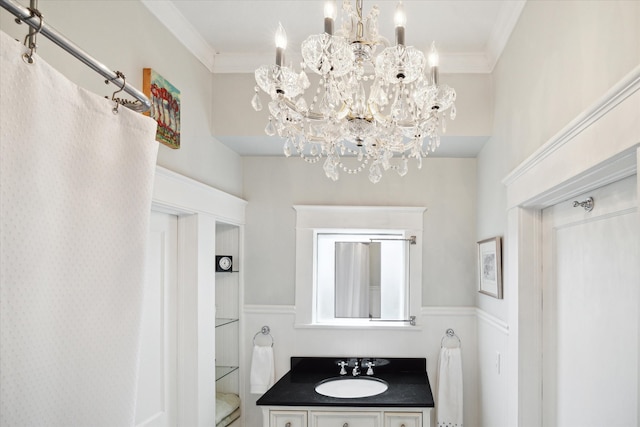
[492,370]
[422,340]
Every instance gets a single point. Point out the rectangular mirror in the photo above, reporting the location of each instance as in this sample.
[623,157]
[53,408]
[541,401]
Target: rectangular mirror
[323,231]
[362,275]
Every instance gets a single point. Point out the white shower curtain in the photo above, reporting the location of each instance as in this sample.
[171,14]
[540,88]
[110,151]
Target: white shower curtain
[75,195]
[352,279]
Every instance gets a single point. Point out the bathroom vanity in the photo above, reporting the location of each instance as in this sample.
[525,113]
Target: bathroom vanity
[406,401]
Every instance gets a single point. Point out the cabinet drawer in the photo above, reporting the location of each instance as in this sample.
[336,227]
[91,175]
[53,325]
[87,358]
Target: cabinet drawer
[288,418]
[346,419]
[402,419]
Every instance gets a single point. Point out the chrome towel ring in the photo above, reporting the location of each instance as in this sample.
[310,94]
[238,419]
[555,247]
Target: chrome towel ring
[450,333]
[265,330]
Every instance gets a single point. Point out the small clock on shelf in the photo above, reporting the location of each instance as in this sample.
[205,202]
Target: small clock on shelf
[224,263]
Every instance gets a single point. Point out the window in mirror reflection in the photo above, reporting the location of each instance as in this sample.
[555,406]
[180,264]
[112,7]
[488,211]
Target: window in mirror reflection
[361,275]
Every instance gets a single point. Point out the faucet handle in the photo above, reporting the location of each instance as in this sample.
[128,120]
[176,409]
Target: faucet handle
[370,366]
[342,364]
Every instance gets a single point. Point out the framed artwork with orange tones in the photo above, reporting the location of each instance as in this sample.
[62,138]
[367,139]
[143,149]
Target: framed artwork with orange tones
[165,107]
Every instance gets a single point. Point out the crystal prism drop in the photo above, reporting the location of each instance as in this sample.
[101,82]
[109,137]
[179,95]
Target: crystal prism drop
[381,98]
[419,159]
[270,129]
[330,168]
[301,105]
[256,103]
[399,109]
[444,125]
[404,167]
[314,150]
[287,147]
[375,173]
[436,143]
[386,157]
[452,115]
[303,80]
[325,106]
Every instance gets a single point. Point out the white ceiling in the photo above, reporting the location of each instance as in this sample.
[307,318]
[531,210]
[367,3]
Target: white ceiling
[236,36]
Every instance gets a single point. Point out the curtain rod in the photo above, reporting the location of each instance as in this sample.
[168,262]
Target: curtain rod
[25,15]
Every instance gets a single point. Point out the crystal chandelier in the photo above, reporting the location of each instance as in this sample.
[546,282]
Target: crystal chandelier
[368,112]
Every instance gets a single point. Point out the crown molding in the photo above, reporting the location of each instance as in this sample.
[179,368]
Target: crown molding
[177,24]
[506,22]
[451,63]
[626,87]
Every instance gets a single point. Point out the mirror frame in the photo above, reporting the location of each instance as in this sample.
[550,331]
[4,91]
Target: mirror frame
[311,218]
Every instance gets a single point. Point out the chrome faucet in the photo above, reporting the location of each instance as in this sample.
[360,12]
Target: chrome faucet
[356,369]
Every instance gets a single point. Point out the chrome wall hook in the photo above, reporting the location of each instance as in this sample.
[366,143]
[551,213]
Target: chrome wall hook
[587,204]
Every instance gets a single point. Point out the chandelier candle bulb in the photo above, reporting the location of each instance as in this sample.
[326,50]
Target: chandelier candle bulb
[330,13]
[281,44]
[434,60]
[400,19]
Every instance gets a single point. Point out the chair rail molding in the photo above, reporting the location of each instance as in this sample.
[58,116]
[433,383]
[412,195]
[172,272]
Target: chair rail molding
[493,321]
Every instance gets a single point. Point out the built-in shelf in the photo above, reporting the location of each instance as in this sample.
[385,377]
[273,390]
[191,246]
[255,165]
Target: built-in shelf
[222,322]
[223,371]
[228,286]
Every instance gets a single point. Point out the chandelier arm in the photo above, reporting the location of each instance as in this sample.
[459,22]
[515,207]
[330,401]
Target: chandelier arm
[386,119]
[310,114]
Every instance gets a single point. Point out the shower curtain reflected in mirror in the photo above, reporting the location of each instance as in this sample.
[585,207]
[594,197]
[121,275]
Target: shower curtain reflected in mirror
[352,279]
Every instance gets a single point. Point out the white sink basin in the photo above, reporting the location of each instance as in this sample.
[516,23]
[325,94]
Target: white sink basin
[349,388]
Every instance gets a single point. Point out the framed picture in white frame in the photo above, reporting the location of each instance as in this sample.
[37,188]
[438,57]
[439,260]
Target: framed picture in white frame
[490,267]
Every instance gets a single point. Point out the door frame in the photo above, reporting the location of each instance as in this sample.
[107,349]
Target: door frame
[600,146]
[198,207]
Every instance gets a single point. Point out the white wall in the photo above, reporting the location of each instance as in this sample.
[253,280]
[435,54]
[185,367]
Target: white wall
[126,37]
[561,58]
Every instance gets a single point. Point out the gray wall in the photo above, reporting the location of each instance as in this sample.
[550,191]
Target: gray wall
[446,187]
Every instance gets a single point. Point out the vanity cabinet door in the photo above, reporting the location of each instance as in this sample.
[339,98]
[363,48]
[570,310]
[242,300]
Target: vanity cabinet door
[345,419]
[402,419]
[288,418]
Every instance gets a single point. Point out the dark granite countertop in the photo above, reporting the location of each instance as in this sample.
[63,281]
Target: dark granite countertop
[407,378]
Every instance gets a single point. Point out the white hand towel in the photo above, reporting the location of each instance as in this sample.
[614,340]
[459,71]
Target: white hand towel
[262,369]
[76,192]
[449,397]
